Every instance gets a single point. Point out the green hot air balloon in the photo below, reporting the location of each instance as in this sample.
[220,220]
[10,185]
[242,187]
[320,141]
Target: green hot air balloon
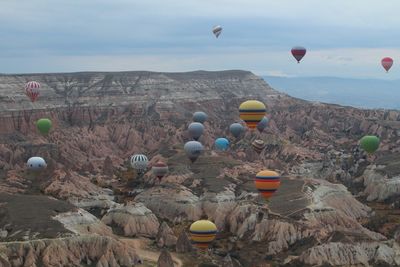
[369,143]
[43,125]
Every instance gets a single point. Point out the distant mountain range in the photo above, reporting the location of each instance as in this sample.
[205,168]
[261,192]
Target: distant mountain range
[362,93]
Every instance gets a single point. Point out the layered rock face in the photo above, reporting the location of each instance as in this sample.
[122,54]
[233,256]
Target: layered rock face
[101,119]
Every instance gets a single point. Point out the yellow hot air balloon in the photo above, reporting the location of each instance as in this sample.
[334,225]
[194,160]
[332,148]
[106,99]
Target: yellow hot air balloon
[267,182]
[203,232]
[252,112]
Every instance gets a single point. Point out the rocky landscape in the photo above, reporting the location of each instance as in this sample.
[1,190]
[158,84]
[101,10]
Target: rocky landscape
[336,206]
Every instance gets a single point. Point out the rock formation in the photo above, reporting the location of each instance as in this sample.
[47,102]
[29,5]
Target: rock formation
[101,119]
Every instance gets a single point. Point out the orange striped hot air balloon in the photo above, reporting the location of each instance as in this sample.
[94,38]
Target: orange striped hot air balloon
[203,232]
[267,182]
[252,112]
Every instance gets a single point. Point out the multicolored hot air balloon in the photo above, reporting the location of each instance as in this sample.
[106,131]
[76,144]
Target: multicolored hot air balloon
[252,112]
[32,90]
[387,63]
[36,164]
[43,125]
[222,144]
[262,124]
[139,162]
[193,150]
[370,143]
[267,182]
[258,145]
[199,116]
[196,129]
[203,232]
[236,129]
[160,169]
[217,30]
[298,52]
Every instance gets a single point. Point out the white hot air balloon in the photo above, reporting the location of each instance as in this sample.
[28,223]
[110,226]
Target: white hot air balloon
[139,162]
[36,164]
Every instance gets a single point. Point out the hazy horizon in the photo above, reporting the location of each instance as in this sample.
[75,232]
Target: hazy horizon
[356,92]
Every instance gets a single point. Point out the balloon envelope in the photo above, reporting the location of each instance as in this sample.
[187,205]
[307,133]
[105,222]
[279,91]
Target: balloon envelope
[160,169]
[298,52]
[267,182]
[44,125]
[199,116]
[387,63]
[370,143]
[222,144]
[236,129]
[139,162]
[252,112]
[258,145]
[193,150]
[262,124]
[203,232]
[217,30]
[196,129]
[36,163]
[32,90]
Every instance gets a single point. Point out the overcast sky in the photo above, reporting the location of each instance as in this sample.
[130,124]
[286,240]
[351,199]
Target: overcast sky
[345,38]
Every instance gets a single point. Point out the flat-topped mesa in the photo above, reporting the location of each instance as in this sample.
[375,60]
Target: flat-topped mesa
[105,89]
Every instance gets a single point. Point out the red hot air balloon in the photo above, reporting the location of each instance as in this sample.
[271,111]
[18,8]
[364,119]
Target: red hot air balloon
[298,52]
[387,63]
[160,169]
[32,90]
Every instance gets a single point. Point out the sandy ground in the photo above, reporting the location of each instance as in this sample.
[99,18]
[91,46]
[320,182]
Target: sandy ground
[145,253]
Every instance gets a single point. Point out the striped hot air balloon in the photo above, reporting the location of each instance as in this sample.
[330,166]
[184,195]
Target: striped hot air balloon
[267,182]
[32,90]
[258,145]
[252,112]
[160,169]
[139,162]
[203,232]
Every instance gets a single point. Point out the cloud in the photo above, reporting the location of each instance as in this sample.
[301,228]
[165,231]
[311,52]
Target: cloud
[172,35]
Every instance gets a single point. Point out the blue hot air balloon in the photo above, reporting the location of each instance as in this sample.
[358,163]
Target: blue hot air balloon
[199,116]
[222,144]
[236,129]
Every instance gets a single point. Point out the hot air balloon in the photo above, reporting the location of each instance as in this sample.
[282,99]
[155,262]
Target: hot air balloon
[43,125]
[258,145]
[193,150]
[203,232]
[262,124]
[199,116]
[267,182]
[32,90]
[387,63]
[222,144]
[160,169]
[196,129]
[139,162]
[370,143]
[298,52]
[36,164]
[236,129]
[217,30]
[252,112]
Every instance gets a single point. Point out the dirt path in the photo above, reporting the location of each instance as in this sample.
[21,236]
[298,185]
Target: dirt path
[141,247]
